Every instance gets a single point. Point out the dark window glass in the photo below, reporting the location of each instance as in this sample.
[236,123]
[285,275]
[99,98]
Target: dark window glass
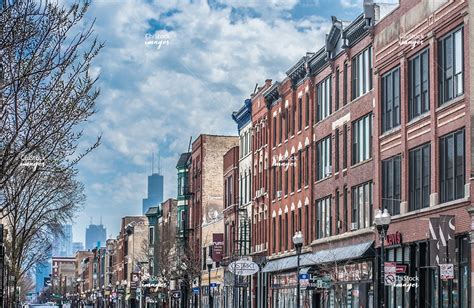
[450,66]
[286,231]
[280,135]
[323,158]
[300,113]
[391,100]
[419,177]
[452,166]
[391,183]
[323,90]
[274,235]
[300,169]
[293,173]
[346,209]
[362,139]
[362,206]
[362,73]
[307,110]
[344,147]
[336,151]
[274,131]
[344,85]
[306,176]
[323,222]
[336,99]
[418,85]
[338,218]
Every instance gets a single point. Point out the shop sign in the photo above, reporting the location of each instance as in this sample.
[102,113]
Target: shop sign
[401,268]
[218,246]
[316,282]
[196,290]
[390,273]
[446,271]
[393,239]
[243,268]
[284,280]
[354,272]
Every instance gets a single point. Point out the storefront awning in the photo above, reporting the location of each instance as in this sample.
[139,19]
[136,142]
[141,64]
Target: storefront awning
[320,257]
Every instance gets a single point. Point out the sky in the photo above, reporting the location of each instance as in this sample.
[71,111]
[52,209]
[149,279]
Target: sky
[175,69]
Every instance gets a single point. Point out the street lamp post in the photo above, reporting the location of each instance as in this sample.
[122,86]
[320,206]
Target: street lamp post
[382,222]
[209,262]
[298,242]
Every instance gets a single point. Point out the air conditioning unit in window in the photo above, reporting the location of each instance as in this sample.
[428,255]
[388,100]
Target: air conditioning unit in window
[354,226]
[257,193]
[328,170]
[339,223]
[262,191]
[279,194]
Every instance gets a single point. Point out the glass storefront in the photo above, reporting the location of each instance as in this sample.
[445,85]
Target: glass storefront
[420,285]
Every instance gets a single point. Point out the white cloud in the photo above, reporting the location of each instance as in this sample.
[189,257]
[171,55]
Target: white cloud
[351,3]
[155,99]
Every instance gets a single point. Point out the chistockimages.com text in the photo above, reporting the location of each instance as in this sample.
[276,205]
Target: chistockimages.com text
[407,282]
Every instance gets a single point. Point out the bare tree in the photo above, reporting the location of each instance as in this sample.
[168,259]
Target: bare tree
[46,90]
[35,217]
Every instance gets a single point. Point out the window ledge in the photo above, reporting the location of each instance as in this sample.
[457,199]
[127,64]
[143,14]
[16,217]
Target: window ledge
[344,235]
[390,132]
[323,179]
[418,118]
[299,132]
[430,208]
[306,187]
[307,126]
[451,102]
[362,163]
[292,193]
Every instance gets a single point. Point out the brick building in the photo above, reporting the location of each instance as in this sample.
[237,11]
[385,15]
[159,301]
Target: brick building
[231,222]
[354,128]
[206,210]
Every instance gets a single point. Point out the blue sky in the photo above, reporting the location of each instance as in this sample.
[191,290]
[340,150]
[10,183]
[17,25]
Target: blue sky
[206,60]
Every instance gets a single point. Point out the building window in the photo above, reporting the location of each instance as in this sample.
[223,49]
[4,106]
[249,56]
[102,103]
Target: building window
[323,90]
[300,113]
[300,227]
[152,235]
[362,206]
[286,178]
[336,150]
[338,218]
[306,221]
[286,231]
[323,162]
[307,110]
[323,220]
[391,183]
[344,84]
[280,233]
[280,135]
[344,147]
[451,166]
[391,100]
[293,173]
[274,182]
[306,171]
[300,170]
[274,235]
[274,131]
[293,221]
[362,139]
[450,66]
[346,208]
[336,100]
[419,177]
[287,123]
[362,73]
[293,119]
[418,85]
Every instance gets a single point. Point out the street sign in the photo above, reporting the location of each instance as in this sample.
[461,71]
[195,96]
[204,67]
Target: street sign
[213,285]
[304,276]
[243,268]
[390,273]
[196,290]
[176,294]
[446,271]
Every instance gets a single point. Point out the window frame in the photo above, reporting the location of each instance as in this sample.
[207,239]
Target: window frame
[450,82]
[359,154]
[323,146]
[424,179]
[390,102]
[417,65]
[458,179]
[324,98]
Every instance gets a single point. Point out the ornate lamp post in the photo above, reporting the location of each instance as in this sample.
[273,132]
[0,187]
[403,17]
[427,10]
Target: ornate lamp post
[382,222]
[209,262]
[298,242]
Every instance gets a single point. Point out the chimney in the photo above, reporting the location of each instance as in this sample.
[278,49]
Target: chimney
[268,82]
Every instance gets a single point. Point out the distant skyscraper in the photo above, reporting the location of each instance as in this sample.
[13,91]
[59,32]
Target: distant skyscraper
[155,192]
[76,246]
[42,272]
[95,236]
[63,244]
